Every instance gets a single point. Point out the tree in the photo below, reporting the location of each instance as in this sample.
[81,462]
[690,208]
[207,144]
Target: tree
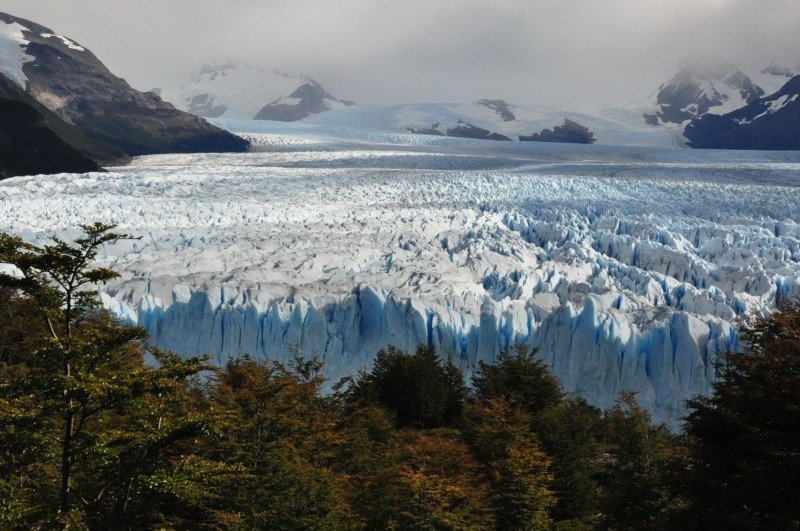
[520,472]
[745,437]
[283,437]
[519,377]
[637,469]
[569,433]
[418,388]
[430,481]
[84,420]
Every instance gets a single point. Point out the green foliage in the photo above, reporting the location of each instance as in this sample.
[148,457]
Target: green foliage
[83,421]
[519,377]
[273,424]
[636,469]
[745,438]
[520,471]
[417,388]
[569,432]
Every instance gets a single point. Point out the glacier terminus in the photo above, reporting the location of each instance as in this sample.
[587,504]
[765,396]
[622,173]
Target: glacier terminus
[628,267]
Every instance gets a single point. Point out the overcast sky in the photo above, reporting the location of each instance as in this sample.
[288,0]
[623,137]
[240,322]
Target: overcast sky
[565,52]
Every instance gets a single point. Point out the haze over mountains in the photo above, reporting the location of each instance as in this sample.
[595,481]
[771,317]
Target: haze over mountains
[709,86]
[238,91]
[104,119]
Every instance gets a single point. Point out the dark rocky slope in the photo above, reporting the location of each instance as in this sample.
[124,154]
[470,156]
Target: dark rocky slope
[309,98]
[101,152]
[769,123]
[698,88]
[71,82]
[28,145]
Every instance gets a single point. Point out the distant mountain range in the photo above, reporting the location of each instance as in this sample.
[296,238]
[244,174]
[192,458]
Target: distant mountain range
[238,91]
[712,87]
[53,83]
[98,115]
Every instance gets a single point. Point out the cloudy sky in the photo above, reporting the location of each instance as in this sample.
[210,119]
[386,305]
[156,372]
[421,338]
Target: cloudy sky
[572,53]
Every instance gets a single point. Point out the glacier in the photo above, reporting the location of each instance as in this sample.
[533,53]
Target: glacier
[628,267]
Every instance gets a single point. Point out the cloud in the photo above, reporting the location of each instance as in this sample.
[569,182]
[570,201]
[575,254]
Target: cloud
[564,52]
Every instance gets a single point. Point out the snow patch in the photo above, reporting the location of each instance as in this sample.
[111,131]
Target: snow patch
[68,43]
[12,52]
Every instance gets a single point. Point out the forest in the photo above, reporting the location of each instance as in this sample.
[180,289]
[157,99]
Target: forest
[100,430]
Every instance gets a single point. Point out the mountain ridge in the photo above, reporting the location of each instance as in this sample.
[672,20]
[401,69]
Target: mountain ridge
[71,82]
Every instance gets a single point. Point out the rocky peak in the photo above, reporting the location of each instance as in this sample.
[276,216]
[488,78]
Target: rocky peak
[500,107]
[700,87]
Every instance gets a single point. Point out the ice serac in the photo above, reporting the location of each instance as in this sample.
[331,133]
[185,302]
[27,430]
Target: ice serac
[595,348]
[611,260]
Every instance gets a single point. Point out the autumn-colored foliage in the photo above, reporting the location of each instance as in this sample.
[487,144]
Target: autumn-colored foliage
[93,437]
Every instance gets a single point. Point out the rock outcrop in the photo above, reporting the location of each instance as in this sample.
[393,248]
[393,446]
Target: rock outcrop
[570,132]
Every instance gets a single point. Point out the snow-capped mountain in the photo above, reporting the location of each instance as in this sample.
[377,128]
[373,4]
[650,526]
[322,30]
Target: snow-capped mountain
[237,91]
[768,123]
[68,80]
[711,86]
[773,77]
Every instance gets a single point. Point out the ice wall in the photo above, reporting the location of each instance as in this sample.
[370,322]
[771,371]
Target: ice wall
[626,267]
[590,344]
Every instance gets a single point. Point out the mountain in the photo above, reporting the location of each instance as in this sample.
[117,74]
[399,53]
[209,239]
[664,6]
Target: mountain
[712,86]
[101,152]
[237,91]
[768,123]
[774,76]
[28,146]
[72,83]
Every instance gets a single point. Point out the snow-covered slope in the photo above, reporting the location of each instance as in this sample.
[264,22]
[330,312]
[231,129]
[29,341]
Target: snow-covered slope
[773,77]
[511,121]
[709,86]
[12,52]
[238,91]
[771,122]
[626,266]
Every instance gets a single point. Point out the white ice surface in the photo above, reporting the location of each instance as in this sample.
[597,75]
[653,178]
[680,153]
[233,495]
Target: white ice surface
[610,127]
[626,266]
[12,52]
